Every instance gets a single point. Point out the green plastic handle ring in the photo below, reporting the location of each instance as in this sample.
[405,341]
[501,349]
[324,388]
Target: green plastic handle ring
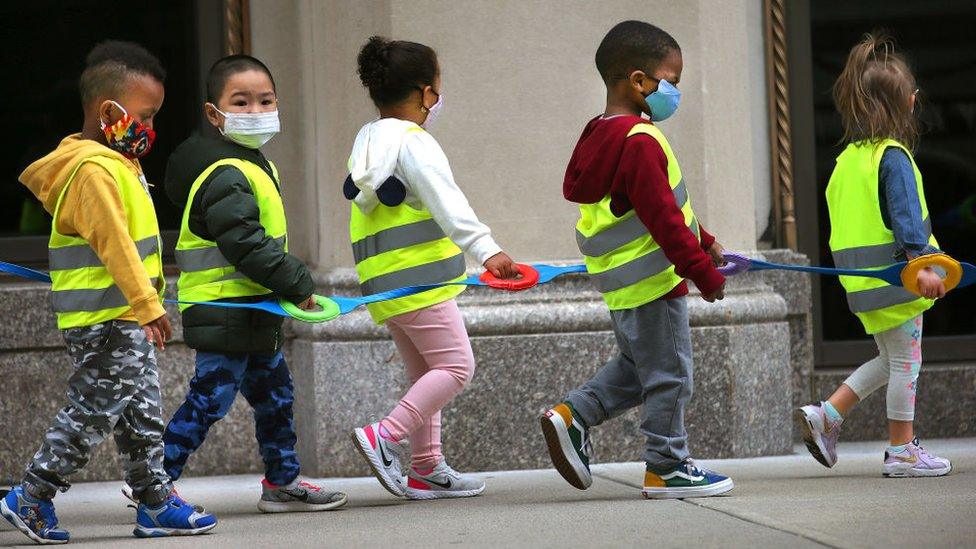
[330,310]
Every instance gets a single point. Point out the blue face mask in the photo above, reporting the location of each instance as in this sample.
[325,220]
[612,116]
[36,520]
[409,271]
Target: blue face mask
[664,101]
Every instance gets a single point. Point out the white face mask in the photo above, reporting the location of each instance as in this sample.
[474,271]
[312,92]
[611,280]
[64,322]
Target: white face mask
[249,129]
[433,112]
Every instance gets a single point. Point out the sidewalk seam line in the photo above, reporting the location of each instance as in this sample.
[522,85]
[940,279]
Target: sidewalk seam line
[729,514]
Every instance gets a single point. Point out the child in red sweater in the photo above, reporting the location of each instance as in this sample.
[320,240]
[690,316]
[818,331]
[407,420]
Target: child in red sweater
[641,240]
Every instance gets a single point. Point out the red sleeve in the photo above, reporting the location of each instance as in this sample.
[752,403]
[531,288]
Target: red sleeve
[642,182]
[706,237]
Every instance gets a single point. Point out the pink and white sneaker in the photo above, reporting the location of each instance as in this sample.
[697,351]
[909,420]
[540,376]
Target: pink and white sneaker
[915,461]
[442,481]
[819,433]
[383,456]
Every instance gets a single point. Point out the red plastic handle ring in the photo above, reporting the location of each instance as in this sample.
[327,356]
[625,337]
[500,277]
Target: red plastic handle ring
[528,277]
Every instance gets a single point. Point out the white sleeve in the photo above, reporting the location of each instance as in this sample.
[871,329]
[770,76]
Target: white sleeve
[430,179]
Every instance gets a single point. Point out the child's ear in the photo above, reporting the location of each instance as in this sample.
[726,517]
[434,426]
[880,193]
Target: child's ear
[106,110]
[428,98]
[214,117]
[638,80]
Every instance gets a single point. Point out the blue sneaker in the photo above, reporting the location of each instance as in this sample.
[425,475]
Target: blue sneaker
[687,480]
[174,517]
[35,518]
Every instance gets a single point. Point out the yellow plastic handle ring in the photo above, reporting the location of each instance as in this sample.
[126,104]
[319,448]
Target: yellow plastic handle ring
[909,275]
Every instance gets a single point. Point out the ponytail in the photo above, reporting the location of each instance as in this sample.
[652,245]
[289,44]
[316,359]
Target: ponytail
[392,69]
[873,93]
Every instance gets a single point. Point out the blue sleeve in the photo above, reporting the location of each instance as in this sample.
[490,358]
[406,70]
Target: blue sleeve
[896,178]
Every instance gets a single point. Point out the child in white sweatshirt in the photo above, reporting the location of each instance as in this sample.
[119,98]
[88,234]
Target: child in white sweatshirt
[411,224]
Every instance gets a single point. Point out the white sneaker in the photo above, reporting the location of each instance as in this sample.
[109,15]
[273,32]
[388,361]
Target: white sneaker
[442,482]
[915,461]
[383,457]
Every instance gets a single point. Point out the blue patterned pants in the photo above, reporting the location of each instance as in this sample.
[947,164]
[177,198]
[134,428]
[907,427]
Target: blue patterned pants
[264,380]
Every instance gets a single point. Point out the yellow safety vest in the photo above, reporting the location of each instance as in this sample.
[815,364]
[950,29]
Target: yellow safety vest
[623,260]
[83,291]
[860,240]
[205,274]
[399,246]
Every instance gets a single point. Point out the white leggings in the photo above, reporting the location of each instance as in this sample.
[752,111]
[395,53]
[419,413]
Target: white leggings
[898,364]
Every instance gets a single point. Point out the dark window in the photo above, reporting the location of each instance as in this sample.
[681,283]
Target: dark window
[937,38]
[44,45]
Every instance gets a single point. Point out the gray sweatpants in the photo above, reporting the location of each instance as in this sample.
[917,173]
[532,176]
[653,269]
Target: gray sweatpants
[653,370]
[114,389]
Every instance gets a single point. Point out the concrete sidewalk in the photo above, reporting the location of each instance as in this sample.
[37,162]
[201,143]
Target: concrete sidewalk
[787,501]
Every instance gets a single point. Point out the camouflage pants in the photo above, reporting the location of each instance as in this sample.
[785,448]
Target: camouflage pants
[264,380]
[114,389]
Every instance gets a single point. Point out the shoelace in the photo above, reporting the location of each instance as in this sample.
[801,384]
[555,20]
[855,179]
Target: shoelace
[310,487]
[586,447]
[694,469]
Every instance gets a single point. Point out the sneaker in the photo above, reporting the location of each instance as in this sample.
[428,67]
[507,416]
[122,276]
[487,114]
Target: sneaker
[915,462]
[174,517]
[383,457]
[34,517]
[819,433]
[297,497]
[687,480]
[129,495]
[442,482]
[569,445]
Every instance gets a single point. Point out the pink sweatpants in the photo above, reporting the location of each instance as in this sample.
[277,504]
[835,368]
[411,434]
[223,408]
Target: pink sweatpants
[439,363]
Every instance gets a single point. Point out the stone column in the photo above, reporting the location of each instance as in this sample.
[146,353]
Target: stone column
[519,84]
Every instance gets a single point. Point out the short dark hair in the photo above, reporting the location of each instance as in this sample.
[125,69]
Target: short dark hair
[111,63]
[393,69]
[228,66]
[629,46]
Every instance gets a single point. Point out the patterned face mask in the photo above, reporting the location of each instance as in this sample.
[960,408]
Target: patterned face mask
[128,136]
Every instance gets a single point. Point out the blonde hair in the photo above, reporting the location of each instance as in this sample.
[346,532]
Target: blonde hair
[873,93]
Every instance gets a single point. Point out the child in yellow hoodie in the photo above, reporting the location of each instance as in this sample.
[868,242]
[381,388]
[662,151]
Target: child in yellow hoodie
[106,269]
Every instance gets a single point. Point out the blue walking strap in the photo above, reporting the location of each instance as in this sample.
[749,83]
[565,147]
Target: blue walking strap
[334,306]
[958,275]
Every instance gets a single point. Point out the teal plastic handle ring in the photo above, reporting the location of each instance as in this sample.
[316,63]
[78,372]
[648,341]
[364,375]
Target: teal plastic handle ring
[330,310]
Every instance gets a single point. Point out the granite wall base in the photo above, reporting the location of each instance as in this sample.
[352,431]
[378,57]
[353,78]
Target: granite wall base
[531,350]
[944,405]
[34,368]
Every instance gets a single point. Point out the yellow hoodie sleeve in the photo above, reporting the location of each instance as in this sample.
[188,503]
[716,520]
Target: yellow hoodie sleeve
[92,208]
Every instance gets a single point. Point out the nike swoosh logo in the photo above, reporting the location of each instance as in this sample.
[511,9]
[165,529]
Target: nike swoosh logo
[386,462]
[301,495]
[445,485]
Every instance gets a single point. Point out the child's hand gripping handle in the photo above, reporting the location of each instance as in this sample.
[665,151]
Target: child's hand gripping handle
[734,264]
[528,277]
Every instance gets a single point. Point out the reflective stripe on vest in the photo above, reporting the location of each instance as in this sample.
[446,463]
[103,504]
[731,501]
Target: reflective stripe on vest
[878,298]
[82,255]
[859,238]
[398,246]
[869,257]
[394,238]
[202,259]
[625,263]
[206,275]
[90,300]
[443,270]
[83,292]
[626,231]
